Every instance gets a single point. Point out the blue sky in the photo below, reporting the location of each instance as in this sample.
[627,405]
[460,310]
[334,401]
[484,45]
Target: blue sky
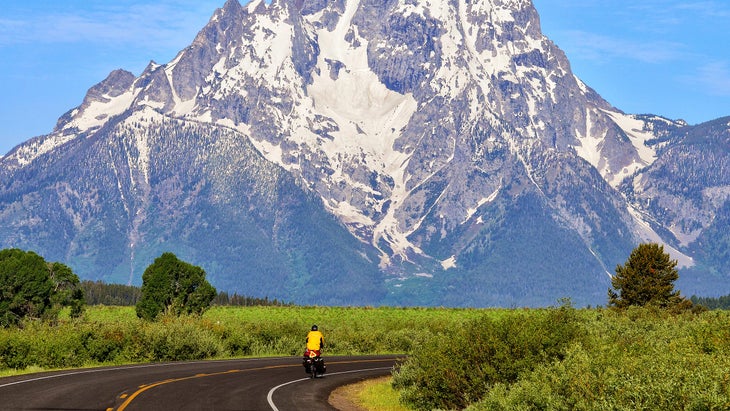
[666,57]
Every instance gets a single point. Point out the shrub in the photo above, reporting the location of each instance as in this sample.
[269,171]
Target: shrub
[641,359]
[175,339]
[454,369]
[16,352]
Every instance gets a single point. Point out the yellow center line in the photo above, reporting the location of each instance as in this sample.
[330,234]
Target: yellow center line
[145,387]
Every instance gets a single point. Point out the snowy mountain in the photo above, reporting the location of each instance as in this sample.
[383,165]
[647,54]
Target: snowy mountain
[370,152]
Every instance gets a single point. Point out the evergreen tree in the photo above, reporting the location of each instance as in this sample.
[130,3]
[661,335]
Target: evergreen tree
[712,303]
[647,278]
[97,292]
[30,287]
[174,286]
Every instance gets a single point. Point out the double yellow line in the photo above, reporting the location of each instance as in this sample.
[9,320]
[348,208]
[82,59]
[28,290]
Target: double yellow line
[142,388]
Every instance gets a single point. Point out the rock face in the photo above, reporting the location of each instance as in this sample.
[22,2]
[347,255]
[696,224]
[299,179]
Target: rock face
[371,152]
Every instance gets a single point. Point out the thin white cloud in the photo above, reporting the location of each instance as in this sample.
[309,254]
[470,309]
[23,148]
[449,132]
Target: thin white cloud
[603,49]
[662,16]
[714,78]
[713,9]
[160,24]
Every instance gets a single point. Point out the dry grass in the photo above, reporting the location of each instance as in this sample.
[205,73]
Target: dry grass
[369,395]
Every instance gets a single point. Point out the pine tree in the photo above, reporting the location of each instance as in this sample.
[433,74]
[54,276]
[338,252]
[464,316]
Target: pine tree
[647,278]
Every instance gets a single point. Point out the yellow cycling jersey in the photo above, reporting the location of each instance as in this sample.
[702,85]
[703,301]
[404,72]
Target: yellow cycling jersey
[315,340]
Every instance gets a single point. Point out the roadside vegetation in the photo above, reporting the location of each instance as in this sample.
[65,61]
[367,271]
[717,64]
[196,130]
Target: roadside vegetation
[115,335]
[650,349]
[558,358]
[567,359]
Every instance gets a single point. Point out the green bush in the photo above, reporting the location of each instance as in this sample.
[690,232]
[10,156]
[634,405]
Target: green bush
[31,288]
[238,343]
[644,359]
[16,351]
[457,368]
[176,339]
[43,346]
[172,286]
[690,382]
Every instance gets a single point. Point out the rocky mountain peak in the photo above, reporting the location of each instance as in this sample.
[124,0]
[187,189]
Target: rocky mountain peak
[441,152]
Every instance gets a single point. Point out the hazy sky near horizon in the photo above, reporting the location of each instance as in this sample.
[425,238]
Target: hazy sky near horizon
[666,57]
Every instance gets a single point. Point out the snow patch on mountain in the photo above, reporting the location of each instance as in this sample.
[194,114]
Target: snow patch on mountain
[648,234]
[635,130]
[593,137]
[31,150]
[471,211]
[142,142]
[253,5]
[99,112]
[591,145]
[182,107]
[449,263]
[369,118]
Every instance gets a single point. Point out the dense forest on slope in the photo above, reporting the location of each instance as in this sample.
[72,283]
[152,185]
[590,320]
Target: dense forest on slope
[100,293]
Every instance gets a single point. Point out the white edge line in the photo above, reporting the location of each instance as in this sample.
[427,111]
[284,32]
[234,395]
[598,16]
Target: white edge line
[270,396]
[48,377]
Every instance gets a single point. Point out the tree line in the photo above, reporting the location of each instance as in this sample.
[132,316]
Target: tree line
[712,303]
[101,293]
[32,288]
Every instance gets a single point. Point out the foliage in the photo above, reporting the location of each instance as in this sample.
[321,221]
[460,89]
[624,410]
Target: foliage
[115,335]
[98,292]
[641,358]
[458,367]
[173,286]
[66,289]
[32,288]
[223,298]
[712,303]
[74,344]
[647,278]
[646,360]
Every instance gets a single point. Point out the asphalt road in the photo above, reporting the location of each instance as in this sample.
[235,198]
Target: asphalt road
[246,384]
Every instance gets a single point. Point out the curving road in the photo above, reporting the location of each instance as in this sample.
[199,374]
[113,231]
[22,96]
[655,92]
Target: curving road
[245,384]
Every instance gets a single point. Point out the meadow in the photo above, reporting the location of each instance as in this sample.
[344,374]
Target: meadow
[107,335]
[557,358]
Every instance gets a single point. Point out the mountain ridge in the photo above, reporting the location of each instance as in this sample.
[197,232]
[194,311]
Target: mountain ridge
[427,134]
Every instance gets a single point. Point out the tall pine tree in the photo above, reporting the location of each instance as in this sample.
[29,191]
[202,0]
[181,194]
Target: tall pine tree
[647,278]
